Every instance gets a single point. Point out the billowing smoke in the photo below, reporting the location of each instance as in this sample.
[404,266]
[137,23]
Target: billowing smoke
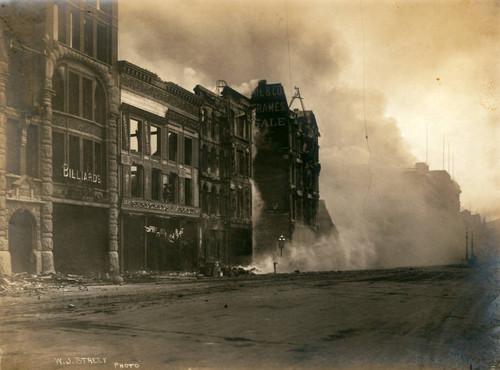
[384,218]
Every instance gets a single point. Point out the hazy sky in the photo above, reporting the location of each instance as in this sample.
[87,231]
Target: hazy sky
[390,67]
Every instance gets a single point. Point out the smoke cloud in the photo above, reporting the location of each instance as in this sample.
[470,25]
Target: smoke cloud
[379,69]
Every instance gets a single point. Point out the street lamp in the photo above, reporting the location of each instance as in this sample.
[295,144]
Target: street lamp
[281,244]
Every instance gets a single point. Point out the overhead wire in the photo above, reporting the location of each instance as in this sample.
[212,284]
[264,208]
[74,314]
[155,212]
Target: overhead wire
[364,77]
[364,106]
[289,54]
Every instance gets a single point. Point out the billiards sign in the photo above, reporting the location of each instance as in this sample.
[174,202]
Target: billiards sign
[85,176]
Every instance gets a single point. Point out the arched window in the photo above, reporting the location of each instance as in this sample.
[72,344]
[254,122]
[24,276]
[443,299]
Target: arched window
[86,96]
[58,86]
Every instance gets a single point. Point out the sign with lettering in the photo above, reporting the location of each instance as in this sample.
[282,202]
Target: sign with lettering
[173,209]
[85,176]
[175,235]
[266,91]
[270,105]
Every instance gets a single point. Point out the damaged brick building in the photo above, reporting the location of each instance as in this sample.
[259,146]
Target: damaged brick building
[286,171]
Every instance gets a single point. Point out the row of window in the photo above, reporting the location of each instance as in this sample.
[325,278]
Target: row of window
[303,209]
[146,138]
[213,203]
[211,130]
[83,33]
[72,153]
[79,94]
[164,187]
[212,161]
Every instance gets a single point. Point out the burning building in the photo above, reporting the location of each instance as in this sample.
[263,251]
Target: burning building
[286,170]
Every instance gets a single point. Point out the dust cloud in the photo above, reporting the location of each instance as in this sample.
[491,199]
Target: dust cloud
[346,58]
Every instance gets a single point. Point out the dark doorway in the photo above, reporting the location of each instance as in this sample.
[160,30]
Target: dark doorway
[80,239]
[241,247]
[133,243]
[21,242]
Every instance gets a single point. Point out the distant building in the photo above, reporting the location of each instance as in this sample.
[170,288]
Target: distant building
[286,170]
[441,191]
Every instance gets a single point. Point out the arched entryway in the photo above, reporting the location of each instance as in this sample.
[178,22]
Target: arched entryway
[21,242]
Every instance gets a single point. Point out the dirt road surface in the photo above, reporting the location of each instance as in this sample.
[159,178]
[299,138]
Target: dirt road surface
[446,317]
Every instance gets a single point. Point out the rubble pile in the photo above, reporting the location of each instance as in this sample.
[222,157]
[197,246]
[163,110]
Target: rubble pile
[240,271]
[149,276]
[30,283]
[21,283]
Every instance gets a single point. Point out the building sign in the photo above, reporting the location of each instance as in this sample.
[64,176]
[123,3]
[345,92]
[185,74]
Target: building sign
[266,91]
[172,209]
[270,105]
[73,174]
[159,232]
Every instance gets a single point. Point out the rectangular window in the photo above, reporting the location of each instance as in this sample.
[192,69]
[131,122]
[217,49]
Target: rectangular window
[87,98]
[172,146]
[241,162]
[74,94]
[61,23]
[156,185]
[88,37]
[155,140]
[75,30]
[188,151]
[13,148]
[240,203]
[136,178]
[102,43]
[135,135]
[98,159]
[74,152]
[57,155]
[241,126]
[88,157]
[188,195]
[172,185]
[32,151]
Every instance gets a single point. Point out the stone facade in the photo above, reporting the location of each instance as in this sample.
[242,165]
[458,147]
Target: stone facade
[39,99]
